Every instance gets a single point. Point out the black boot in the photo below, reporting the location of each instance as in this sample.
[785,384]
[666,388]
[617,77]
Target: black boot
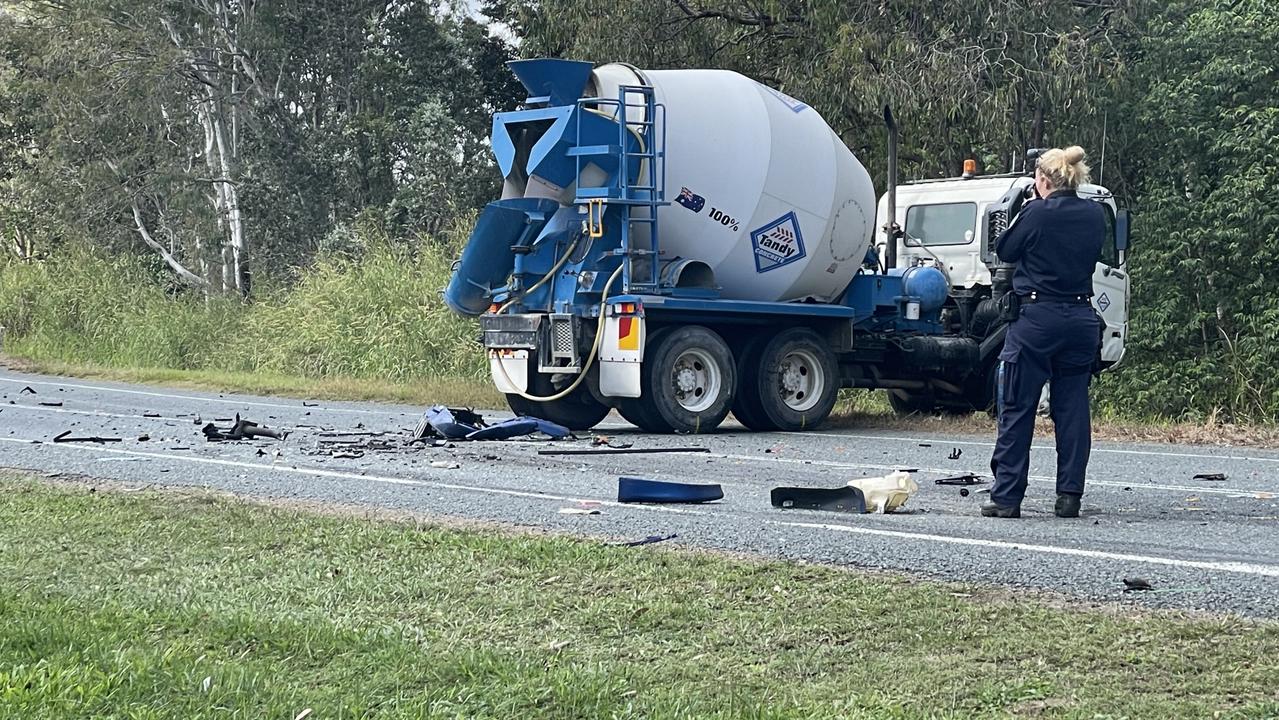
[1067,506]
[994,509]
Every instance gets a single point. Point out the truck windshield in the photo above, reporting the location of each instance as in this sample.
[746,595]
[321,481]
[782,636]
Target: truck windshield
[943,224]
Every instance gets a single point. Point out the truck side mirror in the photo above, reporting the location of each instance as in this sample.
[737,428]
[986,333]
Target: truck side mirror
[1122,219]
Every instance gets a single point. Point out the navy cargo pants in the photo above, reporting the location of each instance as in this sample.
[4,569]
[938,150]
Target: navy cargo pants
[1052,342]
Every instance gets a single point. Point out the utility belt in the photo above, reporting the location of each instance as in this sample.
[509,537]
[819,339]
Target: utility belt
[1009,304]
[1037,297]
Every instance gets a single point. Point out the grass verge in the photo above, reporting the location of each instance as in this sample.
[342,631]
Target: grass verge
[160,605]
[449,391]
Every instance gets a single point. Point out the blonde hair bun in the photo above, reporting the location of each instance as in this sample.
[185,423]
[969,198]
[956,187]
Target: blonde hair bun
[1065,169]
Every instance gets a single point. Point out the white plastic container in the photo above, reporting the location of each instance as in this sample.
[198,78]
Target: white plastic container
[887,493]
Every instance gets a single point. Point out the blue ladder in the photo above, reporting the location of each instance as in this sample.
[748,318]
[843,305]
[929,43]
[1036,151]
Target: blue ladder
[639,201]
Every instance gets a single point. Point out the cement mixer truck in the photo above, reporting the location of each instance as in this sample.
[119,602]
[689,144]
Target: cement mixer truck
[682,244]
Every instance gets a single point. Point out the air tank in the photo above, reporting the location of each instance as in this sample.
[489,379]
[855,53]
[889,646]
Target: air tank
[762,189]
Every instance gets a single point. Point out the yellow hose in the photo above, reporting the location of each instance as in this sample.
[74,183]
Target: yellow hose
[590,359]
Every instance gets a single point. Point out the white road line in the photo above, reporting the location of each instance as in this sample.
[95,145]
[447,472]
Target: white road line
[194,398]
[978,443]
[1230,567]
[1234,492]
[319,472]
[95,413]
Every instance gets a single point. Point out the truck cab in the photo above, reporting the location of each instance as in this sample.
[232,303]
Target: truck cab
[953,223]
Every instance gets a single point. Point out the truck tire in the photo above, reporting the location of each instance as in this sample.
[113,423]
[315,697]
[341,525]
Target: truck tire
[796,381]
[639,411]
[688,380]
[578,411]
[746,405]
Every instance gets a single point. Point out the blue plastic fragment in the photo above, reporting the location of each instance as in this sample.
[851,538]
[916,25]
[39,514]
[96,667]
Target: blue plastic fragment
[442,421]
[505,430]
[546,427]
[639,490]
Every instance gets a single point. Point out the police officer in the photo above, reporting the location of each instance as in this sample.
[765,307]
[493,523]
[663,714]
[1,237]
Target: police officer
[1055,242]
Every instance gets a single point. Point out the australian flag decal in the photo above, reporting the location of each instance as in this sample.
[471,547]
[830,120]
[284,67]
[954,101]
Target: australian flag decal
[691,200]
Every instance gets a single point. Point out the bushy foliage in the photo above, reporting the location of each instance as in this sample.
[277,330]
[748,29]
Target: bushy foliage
[378,317]
[1205,300]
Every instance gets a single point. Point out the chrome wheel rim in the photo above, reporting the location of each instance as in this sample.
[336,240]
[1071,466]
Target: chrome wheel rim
[696,380]
[800,380]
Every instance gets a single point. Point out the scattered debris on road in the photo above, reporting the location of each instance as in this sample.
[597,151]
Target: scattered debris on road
[465,424]
[606,441]
[965,479]
[841,499]
[1211,477]
[66,437]
[624,451]
[241,430]
[1137,584]
[888,493]
[640,490]
[28,390]
[954,454]
[52,403]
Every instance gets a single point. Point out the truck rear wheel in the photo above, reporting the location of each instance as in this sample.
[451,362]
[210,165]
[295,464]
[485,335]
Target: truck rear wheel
[640,411]
[688,380]
[796,381]
[579,410]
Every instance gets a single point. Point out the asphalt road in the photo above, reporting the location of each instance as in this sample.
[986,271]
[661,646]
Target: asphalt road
[1202,544]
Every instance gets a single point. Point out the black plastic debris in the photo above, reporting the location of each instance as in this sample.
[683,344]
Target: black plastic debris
[639,490]
[965,479]
[954,454]
[65,437]
[241,430]
[1137,584]
[841,499]
[28,390]
[649,540]
[1211,477]
[150,414]
[624,451]
[54,403]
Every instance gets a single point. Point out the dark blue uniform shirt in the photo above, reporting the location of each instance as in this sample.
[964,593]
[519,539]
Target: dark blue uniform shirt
[1056,243]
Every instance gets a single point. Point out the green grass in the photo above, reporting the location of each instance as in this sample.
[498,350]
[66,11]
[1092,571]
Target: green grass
[163,605]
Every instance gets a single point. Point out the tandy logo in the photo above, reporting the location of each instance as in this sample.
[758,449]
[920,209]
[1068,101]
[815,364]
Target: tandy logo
[777,243]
